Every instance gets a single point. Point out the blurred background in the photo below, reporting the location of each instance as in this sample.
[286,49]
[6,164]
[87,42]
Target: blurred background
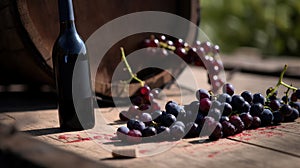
[273,26]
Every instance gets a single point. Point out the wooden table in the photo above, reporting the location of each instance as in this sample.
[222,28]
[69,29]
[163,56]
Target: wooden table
[274,146]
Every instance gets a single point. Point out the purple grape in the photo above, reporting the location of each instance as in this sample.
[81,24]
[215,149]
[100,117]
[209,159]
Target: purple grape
[237,122]
[228,88]
[192,130]
[199,119]
[256,109]
[173,108]
[168,120]
[278,118]
[202,93]
[269,90]
[134,124]
[124,116]
[286,110]
[246,107]
[137,100]
[224,118]
[274,105]
[294,97]
[285,99]
[205,104]
[247,119]
[237,103]
[258,98]
[266,117]
[256,122]
[247,96]
[149,131]
[217,133]
[228,128]
[122,132]
[293,116]
[226,108]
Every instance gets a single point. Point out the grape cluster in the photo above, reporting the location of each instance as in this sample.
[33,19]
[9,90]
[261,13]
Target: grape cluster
[215,116]
[199,54]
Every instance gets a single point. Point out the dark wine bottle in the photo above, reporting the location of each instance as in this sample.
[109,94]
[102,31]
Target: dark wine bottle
[72,74]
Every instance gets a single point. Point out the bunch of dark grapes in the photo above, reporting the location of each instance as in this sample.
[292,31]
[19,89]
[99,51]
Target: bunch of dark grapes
[199,54]
[215,116]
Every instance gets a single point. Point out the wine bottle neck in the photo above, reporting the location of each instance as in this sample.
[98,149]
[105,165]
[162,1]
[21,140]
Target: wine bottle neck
[66,12]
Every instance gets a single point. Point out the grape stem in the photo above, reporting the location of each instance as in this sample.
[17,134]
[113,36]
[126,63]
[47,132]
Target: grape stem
[280,82]
[133,76]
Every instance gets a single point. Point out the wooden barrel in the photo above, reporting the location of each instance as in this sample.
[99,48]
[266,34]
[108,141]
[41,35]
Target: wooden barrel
[29,29]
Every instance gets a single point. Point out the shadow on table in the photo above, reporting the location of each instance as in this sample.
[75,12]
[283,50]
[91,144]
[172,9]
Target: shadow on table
[27,101]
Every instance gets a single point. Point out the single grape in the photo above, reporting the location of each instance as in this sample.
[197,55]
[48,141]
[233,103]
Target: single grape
[256,109]
[286,110]
[168,120]
[274,104]
[293,116]
[278,118]
[192,130]
[228,88]
[202,93]
[247,96]
[294,97]
[149,131]
[258,98]
[124,116]
[173,108]
[237,103]
[237,122]
[217,133]
[177,132]
[146,118]
[266,117]
[205,104]
[247,119]
[226,108]
[134,136]
[122,132]
[156,116]
[228,128]
[256,122]
[246,107]
[145,90]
